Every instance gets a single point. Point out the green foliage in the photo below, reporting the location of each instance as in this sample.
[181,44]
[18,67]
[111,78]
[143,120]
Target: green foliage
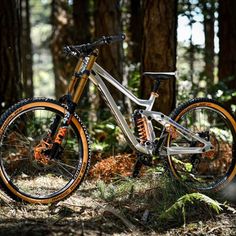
[134,78]
[105,192]
[221,91]
[107,136]
[114,190]
[166,202]
[41,30]
[192,198]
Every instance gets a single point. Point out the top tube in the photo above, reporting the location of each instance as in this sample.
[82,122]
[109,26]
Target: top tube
[142,102]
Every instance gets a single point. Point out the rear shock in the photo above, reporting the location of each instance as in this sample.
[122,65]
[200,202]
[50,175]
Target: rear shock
[141,124]
[142,130]
[143,133]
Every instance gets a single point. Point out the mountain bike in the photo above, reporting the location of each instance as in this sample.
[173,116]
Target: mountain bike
[45,149]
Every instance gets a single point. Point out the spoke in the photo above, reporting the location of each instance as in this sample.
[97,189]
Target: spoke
[205,119]
[62,167]
[63,164]
[21,159]
[22,135]
[15,146]
[68,151]
[17,171]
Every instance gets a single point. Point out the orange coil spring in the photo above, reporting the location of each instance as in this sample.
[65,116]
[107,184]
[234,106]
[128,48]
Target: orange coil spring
[142,129]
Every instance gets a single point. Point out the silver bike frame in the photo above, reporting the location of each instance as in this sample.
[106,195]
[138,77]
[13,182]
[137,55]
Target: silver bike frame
[96,77]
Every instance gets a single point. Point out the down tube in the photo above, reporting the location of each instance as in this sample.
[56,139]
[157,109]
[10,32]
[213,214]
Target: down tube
[117,114]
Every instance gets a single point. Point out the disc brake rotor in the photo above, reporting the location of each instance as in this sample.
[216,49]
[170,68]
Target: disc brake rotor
[39,153]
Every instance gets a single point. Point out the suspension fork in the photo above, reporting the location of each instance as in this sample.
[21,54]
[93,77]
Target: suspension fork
[66,99]
[71,100]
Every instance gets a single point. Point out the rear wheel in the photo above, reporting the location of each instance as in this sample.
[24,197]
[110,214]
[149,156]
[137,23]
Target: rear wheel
[209,171]
[27,172]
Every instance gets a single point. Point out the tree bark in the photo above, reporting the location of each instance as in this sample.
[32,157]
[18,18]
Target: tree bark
[227,36]
[81,17]
[107,19]
[26,50]
[62,35]
[70,26]
[135,30]
[208,23]
[10,88]
[159,49]
[82,34]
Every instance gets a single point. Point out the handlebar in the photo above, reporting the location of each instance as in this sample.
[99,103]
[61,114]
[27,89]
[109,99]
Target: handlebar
[86,49]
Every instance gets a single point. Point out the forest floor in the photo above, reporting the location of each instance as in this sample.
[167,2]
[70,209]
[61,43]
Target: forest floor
[118,206]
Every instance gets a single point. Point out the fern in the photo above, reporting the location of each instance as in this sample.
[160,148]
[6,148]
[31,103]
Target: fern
[190,199]
[106,192]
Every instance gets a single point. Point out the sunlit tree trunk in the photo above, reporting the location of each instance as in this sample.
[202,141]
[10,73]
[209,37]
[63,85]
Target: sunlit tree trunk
[26,50]
[159,49]
[227,35]
[10,87]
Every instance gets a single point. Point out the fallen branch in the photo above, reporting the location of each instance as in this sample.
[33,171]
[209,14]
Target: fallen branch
[6,199]
[220,227]
[118,214]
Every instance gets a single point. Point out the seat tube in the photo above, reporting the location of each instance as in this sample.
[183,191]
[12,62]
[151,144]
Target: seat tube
[84,76]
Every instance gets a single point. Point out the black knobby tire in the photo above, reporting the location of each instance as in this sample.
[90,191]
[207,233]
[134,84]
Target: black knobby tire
[214,170]
[27,174]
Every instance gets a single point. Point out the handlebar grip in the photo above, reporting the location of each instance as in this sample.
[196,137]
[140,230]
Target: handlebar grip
[114,38]
[77,50]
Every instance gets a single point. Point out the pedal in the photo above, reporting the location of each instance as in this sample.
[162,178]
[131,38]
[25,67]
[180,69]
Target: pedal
[141,160]
[137,167]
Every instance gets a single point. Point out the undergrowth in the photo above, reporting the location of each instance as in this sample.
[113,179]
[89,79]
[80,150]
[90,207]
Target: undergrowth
[157,201]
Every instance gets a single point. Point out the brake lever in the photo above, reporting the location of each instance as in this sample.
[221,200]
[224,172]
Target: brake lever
[68,51]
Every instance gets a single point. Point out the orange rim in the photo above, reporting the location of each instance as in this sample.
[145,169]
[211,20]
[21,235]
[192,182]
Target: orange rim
[226,114]
[85,154]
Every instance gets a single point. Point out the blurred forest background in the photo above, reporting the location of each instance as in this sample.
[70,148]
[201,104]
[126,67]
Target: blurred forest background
[194,37]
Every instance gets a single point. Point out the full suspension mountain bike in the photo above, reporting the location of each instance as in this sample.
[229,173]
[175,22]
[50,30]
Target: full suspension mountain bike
[45,150]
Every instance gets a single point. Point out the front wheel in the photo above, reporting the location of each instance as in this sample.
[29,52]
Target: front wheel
[209,171]
[27,173]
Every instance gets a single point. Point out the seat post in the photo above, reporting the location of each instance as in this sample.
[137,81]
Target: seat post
[156,86]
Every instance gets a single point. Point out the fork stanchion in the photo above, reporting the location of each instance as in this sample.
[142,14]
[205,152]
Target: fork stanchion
[84,77]
[74,78]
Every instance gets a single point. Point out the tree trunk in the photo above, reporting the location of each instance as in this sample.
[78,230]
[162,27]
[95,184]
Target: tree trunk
[107,19]
[227,36]
[209,21]
[81,19]
[191,50]
[82,34]
[159,49]
[62,35]
[10,88]
[68,28]
[135,30]
[26,51]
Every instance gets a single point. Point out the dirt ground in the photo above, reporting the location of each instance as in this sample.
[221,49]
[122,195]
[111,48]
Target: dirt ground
[85,214]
